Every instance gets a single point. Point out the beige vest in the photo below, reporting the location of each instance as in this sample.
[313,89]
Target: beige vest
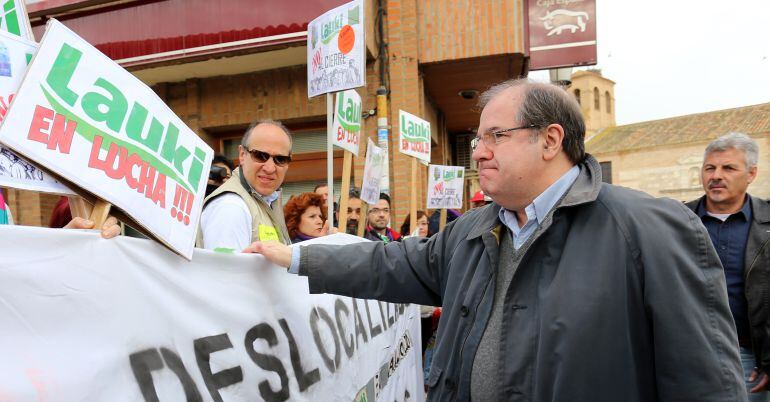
[261,213]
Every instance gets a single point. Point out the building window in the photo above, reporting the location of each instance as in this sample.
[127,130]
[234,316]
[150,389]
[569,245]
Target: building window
[596,98]
[461,150]
[608,100]
[606,172]
[289,190]
[577,96]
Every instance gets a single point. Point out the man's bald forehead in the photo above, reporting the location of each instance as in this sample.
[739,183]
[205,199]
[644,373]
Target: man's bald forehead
[265,126]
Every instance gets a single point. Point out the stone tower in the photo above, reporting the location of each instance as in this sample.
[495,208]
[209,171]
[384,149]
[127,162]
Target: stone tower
[596,95]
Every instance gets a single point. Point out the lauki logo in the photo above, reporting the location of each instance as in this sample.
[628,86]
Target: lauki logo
[10,18]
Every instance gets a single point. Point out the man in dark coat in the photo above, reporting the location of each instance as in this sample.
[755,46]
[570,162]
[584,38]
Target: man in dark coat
[739,227]
[562,289]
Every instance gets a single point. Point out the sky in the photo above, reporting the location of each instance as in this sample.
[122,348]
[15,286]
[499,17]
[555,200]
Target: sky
[676,57]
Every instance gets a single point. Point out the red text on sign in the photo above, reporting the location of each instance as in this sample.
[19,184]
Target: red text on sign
[52,129]
[346,136]
[139,175]
[182,208]
[419,147]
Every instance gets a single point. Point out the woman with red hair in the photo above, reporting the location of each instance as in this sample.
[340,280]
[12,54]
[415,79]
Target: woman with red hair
[305,217]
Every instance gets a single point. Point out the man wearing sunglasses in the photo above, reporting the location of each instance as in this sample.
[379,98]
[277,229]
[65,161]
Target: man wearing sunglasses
[247,207]
[563,288]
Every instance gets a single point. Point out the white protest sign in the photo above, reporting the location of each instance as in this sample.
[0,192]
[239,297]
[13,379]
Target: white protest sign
[14,19]
[414,136]
[96,125]
[347,121]
[375,160]
[336,58]
[127,320]
[15,171]
[445,186]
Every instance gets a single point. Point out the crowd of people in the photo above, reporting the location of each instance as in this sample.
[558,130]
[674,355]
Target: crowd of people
[555,285]
[564,287]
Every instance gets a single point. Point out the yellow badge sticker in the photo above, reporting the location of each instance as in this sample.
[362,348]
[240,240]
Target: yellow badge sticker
[267,233]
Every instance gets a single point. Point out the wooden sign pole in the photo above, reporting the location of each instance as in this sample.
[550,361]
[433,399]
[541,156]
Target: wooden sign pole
[343,211]
[413,198]
[79,208]
[362,219]
[100,213]
[329,154]
[442,219]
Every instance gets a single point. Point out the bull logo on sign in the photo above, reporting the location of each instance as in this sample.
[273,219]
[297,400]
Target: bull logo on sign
[559,20]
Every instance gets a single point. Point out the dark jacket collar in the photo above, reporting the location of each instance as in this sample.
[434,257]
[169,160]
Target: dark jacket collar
[584,190]
[760,209]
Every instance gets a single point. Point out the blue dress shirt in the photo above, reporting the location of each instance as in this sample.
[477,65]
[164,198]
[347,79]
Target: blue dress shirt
[538,209]
[729,239]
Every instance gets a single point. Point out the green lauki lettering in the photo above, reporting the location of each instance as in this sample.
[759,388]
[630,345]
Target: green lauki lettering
[11,18]
[110,110]
[349,113]
[413,129]
[108,105]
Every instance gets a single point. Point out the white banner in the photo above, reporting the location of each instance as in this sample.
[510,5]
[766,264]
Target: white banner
[445,186]
[414,136]
[347,121]
[14,19]
[336,50]
[88,319]
[375,161]
[15,171]
[96,125]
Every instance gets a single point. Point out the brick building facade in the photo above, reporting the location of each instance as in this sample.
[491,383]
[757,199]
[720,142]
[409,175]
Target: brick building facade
[219,74]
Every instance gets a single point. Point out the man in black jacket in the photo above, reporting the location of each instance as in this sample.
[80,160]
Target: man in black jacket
[562,289]
[739,227]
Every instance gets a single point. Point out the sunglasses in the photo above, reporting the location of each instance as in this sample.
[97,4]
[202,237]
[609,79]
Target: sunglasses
[263,157]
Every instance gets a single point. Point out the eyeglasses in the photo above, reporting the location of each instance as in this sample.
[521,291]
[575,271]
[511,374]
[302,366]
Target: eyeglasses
[496,137]
[263,157]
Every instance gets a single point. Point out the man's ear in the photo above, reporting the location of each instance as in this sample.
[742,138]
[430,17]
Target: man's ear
[241,155]
[752,174]
[553,135]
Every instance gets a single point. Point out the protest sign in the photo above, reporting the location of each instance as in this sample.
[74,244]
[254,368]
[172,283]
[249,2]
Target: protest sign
[15,171]
[336,58]
[347,128]
[347,121]
[414,140]
[126,320]
[100,128]
[445,186]
[414,136]
[14,19]
[375,159]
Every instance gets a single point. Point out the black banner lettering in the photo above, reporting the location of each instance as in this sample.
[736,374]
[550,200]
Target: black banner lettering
[144,362]
[373,330]
[315,315]
[304,378]
[382,315]
[339,308]
[174,363]
[359,327]
[204,347]
[267,362]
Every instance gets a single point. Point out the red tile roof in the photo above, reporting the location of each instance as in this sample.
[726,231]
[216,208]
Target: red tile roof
[751,120]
